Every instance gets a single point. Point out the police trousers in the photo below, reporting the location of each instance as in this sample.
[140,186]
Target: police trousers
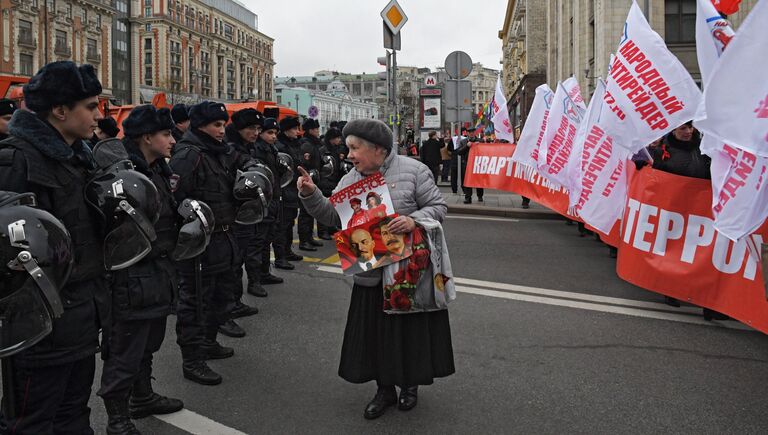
[129,364]
[254,242]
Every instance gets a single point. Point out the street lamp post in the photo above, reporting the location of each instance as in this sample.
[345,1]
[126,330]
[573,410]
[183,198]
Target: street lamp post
[297,103]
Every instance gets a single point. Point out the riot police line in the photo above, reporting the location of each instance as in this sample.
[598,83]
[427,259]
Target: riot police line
[99,243]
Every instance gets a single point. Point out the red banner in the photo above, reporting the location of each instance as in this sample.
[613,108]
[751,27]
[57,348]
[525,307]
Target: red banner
[490,166]
[669,245]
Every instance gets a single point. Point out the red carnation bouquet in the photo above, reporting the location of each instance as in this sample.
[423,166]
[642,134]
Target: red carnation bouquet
[399,296]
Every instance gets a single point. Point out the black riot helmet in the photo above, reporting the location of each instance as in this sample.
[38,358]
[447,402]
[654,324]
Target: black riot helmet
[36,258]
[346,166]
[254,189]
[328,166]
[286,169]
[195,231]
[128,203]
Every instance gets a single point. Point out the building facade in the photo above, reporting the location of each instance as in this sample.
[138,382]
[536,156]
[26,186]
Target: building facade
[36,32]
[194,49]
[334,103]
[557,39]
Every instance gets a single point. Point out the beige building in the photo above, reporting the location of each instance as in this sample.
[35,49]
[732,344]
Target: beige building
[200,49]
[579,36]
[35,32]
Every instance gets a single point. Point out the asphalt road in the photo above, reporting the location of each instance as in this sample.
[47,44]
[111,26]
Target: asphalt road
[547,353]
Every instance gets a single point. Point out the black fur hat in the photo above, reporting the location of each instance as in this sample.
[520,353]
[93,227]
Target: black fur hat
[207,112]
[109,126]
[270,124]
[147,119]
[180,113]
[246,118]
[332,133]
[60,83]
[289,123]
[309,124]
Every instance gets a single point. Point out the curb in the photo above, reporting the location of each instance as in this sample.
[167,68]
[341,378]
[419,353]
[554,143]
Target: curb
[504,212]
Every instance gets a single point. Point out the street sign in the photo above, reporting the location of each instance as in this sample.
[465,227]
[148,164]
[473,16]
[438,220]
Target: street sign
[458,101]
[394,17]
[430,91]
[313,111]
[391,41]
[458,65]
[430,80]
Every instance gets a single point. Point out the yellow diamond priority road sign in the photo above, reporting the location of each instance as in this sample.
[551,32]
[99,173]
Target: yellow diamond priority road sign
[394,17]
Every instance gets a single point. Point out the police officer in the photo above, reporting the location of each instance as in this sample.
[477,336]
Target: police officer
[241,134]
[47,155]
[7,107]
[207,168]
[337,152]
[107,129]
[266,152]
[143,294]
[311,160]
[288,142]
[180,114]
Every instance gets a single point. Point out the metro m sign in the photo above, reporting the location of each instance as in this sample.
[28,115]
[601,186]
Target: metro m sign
[430,80]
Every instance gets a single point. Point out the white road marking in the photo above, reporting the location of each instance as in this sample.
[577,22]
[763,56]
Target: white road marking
[478,218]
[197,424]
[582,301]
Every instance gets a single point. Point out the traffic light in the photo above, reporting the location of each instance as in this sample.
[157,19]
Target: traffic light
[384,75]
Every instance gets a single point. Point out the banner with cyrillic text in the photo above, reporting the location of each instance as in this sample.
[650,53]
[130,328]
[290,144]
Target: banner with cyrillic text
[669,245]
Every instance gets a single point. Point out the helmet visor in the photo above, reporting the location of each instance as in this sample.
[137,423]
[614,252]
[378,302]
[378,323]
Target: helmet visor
[192,241]
[125,246]
[251,212]
[24,320]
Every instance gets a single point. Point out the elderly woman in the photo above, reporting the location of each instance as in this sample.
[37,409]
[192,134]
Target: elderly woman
[405,350]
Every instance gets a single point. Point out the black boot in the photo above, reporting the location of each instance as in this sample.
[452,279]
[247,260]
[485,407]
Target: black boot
[384,398]
[325,236]
[212,349]
[256,289]
[306,246]
[145,402]
[292,256]
[284,264]
[408,398]
[243,310]
[314,242]
[118,420]
[198,371]
[231,329]
[268,279]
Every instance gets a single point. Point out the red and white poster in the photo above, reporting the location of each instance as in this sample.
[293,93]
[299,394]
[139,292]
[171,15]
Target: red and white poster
[371,246]
[364,201]
[669,245]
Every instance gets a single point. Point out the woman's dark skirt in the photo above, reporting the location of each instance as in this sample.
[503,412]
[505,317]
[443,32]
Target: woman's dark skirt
[394,349]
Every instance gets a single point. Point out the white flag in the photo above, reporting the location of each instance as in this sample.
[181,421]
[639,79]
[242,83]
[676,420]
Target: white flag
[600,176]
[736,95]
[649,90]
[527,149]
[501,123]
[563,122]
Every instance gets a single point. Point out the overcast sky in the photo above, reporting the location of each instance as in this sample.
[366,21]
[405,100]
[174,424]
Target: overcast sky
[346,35]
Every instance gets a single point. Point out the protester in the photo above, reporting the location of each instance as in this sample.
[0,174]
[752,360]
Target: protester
[430,154]
[453,149]
[143,294]
[180,114]
[46,154]
[241,134]
[463,151]
[7,107]
[311,160]
[207,167]
[404,350]
[445,157]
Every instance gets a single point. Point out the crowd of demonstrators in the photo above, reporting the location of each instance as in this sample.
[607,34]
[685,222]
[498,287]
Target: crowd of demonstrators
[393,350]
